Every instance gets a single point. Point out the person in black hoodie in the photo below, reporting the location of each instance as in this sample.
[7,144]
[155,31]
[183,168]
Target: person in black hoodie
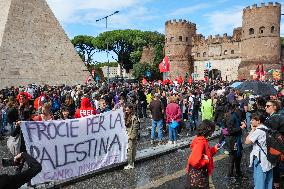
[233,122]
[12,113]
[24,114]
[17,180]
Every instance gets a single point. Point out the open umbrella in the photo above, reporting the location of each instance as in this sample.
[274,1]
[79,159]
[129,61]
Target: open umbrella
[257,88]
[236,84]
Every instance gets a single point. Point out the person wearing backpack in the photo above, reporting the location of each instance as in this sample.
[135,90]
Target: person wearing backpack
[196,107]
[262,168]
[275,122]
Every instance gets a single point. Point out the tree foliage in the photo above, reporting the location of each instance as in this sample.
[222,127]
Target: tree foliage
[127,44]
[85,48]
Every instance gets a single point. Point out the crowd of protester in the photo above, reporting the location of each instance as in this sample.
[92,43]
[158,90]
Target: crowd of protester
[194,108]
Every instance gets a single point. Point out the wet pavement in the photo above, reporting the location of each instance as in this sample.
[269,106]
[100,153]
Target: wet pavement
[167,171]
[162,172]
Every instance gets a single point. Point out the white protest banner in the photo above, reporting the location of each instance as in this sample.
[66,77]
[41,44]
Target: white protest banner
[69,148]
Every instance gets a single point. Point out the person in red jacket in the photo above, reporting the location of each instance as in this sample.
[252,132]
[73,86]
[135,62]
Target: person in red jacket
[86,109]
[200,161]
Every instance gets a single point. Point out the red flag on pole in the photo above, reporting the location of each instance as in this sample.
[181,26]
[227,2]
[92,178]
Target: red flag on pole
[144,81]
[164,66]
[180,80]
[190,80]
[261,71]
[87,80]
[257,71]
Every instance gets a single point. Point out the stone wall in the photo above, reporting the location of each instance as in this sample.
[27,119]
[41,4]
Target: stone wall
[228,68]
[148,55]
[35,48]
[225,50]
[5,7]
[178,46]
[261,33]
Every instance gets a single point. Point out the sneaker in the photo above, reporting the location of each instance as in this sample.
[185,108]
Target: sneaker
[129,166]
[160,143]
[175,142]
[152,142]
[170,142]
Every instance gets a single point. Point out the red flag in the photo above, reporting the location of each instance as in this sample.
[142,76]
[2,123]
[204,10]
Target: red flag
[180,80]
[190,80]
[93,73]
[144,81]
[164,66]
[261,71]
[87,79]
[257,72]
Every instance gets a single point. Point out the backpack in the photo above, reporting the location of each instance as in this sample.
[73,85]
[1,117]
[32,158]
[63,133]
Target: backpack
[55,105]
[196,102]
[275,146]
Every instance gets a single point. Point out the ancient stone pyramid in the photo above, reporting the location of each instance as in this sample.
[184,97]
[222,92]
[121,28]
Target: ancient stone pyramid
[34,47]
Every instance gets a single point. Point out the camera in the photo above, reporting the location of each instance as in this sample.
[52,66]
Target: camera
[7,162]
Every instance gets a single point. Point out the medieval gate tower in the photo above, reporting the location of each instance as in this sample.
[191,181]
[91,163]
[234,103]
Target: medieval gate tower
[178,45]
[260,38]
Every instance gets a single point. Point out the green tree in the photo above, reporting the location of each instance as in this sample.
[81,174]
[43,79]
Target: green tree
[121,42]
[128,44]
[85,48]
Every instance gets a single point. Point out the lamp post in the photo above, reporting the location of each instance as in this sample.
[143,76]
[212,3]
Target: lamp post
[105,18]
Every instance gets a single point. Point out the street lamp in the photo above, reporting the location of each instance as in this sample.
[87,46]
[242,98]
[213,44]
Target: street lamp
[105,18]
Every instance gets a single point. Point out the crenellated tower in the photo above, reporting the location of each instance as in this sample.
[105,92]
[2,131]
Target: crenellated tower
[178,45]
[260,37]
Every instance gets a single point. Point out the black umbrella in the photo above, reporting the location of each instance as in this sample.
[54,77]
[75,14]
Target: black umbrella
[257,88]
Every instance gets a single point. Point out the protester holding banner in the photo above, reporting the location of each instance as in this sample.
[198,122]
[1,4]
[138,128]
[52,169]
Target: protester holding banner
[17,180]
[132,127]
[46,113]
[12,112]
[102,107]
[64,113]
[70,104]
[86,108]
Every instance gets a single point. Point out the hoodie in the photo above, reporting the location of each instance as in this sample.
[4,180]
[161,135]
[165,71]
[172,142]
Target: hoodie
[86,109]
[199,148]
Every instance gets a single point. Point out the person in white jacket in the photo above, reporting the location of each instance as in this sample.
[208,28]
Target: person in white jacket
[262,168]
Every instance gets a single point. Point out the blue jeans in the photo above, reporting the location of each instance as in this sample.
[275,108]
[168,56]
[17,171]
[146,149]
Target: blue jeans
[262,180]
[191,119]
[248,114]
[172,134]
[11,126]
[158,123]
